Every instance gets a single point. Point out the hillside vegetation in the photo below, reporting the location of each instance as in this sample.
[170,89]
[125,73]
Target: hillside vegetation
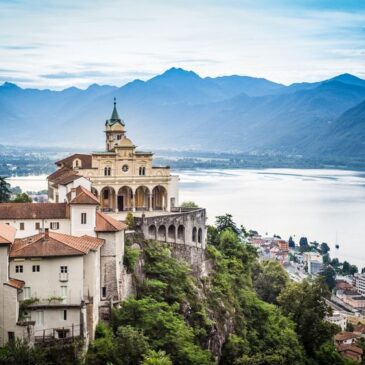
[180,319]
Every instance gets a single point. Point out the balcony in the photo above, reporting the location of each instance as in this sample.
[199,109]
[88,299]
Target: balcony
[63,276]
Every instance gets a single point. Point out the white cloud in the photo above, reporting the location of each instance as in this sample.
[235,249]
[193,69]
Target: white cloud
[116,41]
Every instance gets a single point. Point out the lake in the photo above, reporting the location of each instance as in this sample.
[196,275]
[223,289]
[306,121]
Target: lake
[323,205]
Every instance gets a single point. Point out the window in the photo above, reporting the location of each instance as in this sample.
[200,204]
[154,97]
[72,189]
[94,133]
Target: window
[103,292]
[21,226]
[11,337]
[142,171]
[26,293]
[83,218]
[37,226]
[107,171]
[19,268]
[106,194]
[55,226]
[63,291]
[36,268]
[64,269]
[39,318]
[64,314]
[119,136]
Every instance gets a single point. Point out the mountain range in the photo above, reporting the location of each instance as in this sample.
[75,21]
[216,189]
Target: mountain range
[181,110]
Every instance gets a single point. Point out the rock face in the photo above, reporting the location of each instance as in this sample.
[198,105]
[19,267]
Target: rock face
[201,267]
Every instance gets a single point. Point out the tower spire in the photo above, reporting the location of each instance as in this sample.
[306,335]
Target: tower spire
[115,116]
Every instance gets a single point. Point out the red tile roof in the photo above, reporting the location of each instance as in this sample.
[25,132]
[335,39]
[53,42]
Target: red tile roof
[34,211]
[105,223]
[86,161]
[7,234]
[83,196]
[57,244]
[343,336]
[352,348]
[15,283]
[59,173]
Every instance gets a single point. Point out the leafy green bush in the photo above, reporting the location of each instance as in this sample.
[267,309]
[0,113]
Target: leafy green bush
[130,259]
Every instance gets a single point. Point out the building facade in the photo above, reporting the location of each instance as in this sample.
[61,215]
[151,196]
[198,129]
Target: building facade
[122,178]
[57,281]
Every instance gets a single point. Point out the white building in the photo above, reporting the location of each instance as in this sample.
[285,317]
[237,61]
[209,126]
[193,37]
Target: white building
[313,261]
[63,264]
[359,283]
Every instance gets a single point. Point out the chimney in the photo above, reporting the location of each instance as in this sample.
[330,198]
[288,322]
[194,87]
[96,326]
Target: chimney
[46,233]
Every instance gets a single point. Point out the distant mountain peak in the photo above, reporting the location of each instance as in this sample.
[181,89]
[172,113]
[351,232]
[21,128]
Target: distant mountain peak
[179,72]
[348,79]
[9,85]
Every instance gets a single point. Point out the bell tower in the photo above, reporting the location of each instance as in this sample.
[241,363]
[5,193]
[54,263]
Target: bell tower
[114,129]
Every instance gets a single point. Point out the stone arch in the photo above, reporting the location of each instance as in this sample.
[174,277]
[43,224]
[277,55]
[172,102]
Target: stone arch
[152,232]
[161,234]
[159,198]
[200,235]
[125,199]
[142,198]
[171,233]
[181,233]
[107,198]
[194,234]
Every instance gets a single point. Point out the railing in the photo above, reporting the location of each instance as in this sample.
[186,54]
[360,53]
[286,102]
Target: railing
[64,334]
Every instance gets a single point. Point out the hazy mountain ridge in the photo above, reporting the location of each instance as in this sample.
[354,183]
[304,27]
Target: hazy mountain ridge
[180,109]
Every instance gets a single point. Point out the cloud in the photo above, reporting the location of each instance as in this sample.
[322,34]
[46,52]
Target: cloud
[18,47]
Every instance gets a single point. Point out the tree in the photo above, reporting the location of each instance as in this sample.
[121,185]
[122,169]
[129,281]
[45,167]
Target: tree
[129,220]
[22,198]
[224,222]
[329,275]
[4,190]
[156,358]
[271,281]
[189,204]
[305,304]
[303,242]
[291,242]
[324,248]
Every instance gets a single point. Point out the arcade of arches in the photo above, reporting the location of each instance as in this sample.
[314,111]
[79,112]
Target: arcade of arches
[125,198]
[175,233]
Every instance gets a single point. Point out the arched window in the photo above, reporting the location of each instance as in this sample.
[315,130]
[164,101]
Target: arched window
[142,171]
[107,171]
[200,235]
[194,234]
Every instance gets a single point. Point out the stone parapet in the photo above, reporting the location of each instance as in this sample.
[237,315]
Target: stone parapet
[182,226]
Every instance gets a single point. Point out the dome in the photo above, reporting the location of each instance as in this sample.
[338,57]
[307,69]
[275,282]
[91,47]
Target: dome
[126,142]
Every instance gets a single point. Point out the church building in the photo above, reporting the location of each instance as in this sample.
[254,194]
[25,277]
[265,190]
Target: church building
[122,177]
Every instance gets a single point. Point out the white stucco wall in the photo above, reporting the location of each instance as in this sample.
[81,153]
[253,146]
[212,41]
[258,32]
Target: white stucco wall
[46,283]
[9,312]
[63,190]
[54,318]
[173,190]
[29,226]
[3,264]
[78,229]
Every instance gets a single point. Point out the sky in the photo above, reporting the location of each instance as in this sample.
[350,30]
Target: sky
[61,43]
